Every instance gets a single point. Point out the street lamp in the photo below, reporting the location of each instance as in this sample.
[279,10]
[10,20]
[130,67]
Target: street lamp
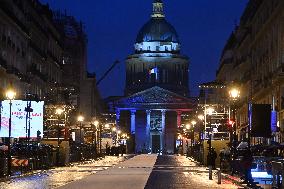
[107,126]
[10,95]
[193,122]
[209,111]
[94,138]
[98,127]
[96,123]
[200,117]
[117,135]
[58,112]
[234,95]
[80,119]
[187,126]
[114,130]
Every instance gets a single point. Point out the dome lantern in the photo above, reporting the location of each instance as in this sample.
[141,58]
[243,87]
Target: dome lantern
[158,9]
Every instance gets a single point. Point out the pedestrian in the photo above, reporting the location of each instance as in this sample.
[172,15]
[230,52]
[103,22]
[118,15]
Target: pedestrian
[214,156]
[209,157]
[247,162]
[222,158]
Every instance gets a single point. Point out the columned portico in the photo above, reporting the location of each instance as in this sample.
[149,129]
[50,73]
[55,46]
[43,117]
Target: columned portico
[154,115]
[148,141]
[117,114]
[132,124]
[163,130]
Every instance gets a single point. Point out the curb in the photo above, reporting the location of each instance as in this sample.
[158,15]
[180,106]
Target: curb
[226,176]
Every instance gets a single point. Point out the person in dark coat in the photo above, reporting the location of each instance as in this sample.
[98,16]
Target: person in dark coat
[247,162]
[214,156]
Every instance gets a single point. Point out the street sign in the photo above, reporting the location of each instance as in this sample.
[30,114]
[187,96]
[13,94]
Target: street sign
[20,162]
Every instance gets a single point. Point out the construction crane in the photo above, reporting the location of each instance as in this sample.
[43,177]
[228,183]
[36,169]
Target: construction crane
[107,72]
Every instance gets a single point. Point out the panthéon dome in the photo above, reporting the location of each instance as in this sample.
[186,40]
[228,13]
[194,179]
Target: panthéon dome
[157,29]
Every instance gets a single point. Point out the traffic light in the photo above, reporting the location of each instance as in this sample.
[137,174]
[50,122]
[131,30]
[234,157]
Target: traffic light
[231,122]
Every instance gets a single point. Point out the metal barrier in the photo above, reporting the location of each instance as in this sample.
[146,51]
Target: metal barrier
[277,172]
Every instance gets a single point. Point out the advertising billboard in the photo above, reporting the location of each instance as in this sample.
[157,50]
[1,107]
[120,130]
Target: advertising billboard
[19,118]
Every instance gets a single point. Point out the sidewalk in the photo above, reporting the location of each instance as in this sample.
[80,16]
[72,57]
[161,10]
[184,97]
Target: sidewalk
[59,176]
[132,173]
[236,179]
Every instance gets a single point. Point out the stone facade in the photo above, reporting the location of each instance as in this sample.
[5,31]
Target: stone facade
[31,50]
[253,59]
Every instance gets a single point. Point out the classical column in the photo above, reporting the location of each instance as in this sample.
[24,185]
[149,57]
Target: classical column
[132,129]
[163,130]
[117,115]
[179,118]
[148,125]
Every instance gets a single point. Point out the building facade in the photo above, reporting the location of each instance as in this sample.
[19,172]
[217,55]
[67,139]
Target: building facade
[156,91]
[78,86]
[253,59]
[44,53]
[30,48]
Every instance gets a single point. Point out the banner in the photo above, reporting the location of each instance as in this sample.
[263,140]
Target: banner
[19,118]
[261,120]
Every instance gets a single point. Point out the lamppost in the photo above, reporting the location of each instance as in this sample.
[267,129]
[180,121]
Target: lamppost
[80,119]
[96,123]
[234,95]
[10,95]
[210,111]
[117,136]
[201,130]
[114,130]
[193,122]
[58,112]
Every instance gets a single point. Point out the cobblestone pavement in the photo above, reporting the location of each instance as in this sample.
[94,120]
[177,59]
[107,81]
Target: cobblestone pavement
[175,172]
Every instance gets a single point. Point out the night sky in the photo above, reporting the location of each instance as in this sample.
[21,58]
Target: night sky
[112,25]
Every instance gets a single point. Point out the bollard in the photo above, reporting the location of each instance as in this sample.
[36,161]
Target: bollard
[274,180]
[278,181]
[219,176]
[210,172]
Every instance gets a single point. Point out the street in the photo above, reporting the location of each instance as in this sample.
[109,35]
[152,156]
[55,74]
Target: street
[141,171]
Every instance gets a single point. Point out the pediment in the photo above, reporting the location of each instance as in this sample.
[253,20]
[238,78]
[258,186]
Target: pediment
[154,95]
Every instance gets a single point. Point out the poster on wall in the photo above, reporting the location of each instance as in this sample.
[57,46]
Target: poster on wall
[18,119]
